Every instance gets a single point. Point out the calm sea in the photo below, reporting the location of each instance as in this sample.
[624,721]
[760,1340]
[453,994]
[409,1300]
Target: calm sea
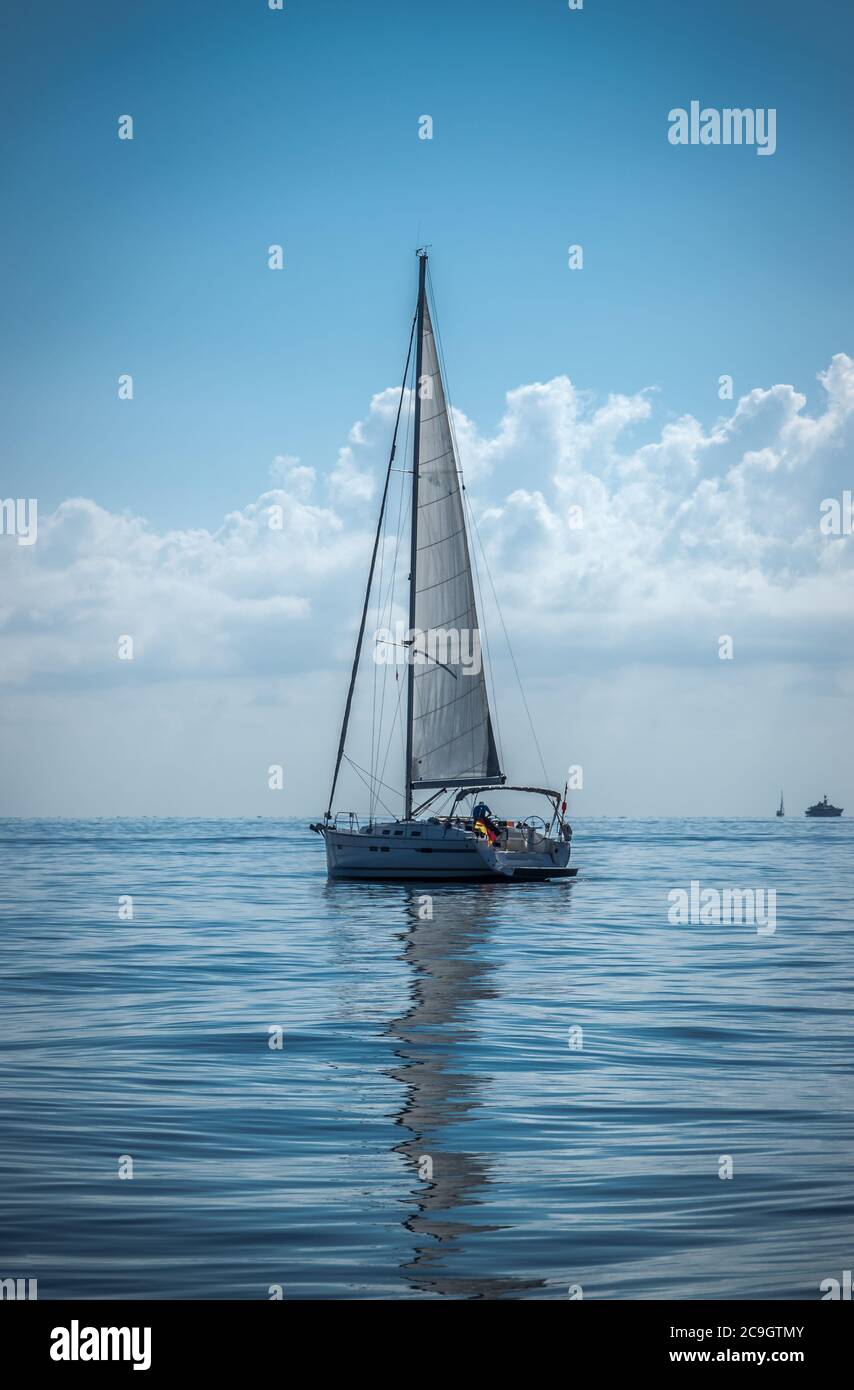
[431,1125]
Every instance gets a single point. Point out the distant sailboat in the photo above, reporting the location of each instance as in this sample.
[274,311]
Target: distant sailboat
[450,745]
[781,811]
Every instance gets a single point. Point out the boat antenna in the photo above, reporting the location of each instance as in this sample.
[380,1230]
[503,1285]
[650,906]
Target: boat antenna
[346,720]
[416,449]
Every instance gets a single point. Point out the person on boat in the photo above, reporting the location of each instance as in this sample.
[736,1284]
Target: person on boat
[483,823]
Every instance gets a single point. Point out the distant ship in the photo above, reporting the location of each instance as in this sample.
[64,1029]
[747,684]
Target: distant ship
[823,808]
[781,811]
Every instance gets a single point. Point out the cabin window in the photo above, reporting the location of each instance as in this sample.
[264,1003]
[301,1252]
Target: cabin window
[384,849]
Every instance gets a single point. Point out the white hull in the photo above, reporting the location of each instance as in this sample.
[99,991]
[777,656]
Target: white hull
[421,850]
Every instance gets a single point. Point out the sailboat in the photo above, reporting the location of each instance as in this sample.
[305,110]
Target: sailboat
[451,749]
[781,811]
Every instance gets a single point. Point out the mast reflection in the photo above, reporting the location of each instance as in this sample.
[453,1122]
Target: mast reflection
[446,932]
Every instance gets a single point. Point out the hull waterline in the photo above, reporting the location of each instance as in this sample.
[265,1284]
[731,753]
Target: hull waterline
[434,853]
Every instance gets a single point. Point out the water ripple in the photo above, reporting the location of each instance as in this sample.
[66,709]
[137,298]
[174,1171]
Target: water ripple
[426,1129]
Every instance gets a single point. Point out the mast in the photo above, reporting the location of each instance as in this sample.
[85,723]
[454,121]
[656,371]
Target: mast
[413,558]
[346,720]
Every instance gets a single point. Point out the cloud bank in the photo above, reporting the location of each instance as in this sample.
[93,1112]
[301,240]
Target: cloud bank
[609,529]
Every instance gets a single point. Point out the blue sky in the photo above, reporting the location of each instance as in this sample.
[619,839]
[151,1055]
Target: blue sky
[598,386]
[300,127]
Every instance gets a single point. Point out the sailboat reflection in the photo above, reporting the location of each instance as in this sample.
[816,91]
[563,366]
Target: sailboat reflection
[443,944]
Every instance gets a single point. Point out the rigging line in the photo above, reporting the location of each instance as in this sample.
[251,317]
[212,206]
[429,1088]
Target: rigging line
[409,646]
[377,725]
[437,333]
[444,801]
[387,610]
[385,604]
[401,514]
[376,673]
[391,733]
[377,720]
[510,648]
[358,767]
[489,662]
[358,772]
[358,652]
[400,686]
[401,518]
[376,730]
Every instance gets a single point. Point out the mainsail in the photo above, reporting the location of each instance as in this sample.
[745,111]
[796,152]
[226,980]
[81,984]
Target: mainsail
[452,740]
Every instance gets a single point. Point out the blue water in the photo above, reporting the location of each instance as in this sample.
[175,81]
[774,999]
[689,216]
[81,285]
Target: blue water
[406,1040]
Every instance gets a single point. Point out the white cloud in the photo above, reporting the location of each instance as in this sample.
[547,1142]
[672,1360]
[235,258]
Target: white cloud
[293,475]
[690,526]
[354,477]
[195,602]
[684,529]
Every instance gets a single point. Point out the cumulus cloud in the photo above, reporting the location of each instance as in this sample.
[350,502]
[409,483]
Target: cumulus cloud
[195,603]
[296,477]
[693,525]
[683,528]
[354,476]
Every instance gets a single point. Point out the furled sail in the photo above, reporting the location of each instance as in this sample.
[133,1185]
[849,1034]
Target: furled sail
[452,738]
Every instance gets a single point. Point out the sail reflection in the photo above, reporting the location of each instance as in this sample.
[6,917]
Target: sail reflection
[450,970]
